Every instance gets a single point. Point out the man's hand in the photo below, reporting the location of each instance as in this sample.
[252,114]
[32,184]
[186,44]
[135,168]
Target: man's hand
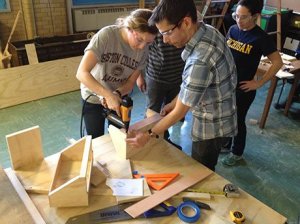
[137,139]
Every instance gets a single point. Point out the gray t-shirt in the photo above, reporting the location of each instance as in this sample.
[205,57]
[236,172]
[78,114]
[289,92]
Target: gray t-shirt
[116,60]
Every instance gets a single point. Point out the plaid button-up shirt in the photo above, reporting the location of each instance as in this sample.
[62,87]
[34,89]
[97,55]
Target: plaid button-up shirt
[209,82]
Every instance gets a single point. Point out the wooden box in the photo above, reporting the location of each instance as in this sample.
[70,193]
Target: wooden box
[71,182]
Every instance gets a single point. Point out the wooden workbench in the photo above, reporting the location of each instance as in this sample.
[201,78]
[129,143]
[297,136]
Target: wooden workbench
[163,158]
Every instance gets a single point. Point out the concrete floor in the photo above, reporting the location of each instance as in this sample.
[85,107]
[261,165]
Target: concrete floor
[270,170]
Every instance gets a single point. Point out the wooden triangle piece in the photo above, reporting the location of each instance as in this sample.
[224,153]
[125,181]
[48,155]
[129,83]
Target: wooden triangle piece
[158,181]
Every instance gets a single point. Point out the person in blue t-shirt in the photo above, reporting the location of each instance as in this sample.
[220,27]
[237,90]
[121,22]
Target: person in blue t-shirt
[248,42]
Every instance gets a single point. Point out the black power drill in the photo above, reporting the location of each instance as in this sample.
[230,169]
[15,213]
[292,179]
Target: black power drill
[125,110]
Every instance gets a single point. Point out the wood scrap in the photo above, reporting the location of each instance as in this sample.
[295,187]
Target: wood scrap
[31,54]
[25,148]
[25,198]
[119,136]
[97,175]
[12,209]
[166,193]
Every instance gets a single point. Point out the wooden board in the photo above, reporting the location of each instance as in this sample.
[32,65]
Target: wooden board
[166,193]
[25,148]
[12,210]
[119,136]
[26,200]
[31,82]
[97,176]
[31,54]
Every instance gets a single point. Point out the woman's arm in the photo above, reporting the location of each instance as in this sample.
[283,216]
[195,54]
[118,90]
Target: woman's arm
[276,61]
[129,84]
[84,75]
[141,83]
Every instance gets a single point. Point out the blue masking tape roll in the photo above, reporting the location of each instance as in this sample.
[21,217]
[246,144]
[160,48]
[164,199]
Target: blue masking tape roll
[192,206]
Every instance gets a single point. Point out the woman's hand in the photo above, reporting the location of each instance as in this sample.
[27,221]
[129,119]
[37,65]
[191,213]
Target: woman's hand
[113,102]
[167,109]
[137,139]
[247,86]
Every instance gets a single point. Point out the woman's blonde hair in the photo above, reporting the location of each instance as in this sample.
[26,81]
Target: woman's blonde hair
[138,20]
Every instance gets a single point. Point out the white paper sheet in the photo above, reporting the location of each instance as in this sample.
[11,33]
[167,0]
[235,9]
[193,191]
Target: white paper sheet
[126,187]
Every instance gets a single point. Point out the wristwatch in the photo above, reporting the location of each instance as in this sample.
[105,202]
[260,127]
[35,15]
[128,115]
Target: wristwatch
[152,134]
[118,93]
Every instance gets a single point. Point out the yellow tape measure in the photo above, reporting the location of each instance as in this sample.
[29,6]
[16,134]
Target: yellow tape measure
[237,217]
[205,191]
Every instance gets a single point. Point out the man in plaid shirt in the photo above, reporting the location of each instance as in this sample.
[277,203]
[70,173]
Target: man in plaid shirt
[208,81]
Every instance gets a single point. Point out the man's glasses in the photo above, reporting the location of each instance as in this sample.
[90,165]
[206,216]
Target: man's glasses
[240,17]
[170,31]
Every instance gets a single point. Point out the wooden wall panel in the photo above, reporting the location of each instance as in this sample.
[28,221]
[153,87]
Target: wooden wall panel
[290,4]
[31,82]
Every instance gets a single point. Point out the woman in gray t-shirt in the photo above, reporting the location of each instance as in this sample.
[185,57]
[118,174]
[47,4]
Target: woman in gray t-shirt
[111,64]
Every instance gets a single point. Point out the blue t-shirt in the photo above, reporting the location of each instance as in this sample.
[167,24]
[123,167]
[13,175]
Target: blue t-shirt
[247,47]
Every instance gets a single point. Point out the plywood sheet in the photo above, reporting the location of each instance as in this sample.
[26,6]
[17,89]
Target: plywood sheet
[31,82]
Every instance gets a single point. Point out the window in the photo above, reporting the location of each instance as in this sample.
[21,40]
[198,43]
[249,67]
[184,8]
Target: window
[4,6]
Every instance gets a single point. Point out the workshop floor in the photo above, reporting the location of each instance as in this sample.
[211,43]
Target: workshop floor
[270,170]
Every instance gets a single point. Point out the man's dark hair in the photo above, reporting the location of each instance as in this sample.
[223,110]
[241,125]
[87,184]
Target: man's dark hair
[173,11]
[254,6]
